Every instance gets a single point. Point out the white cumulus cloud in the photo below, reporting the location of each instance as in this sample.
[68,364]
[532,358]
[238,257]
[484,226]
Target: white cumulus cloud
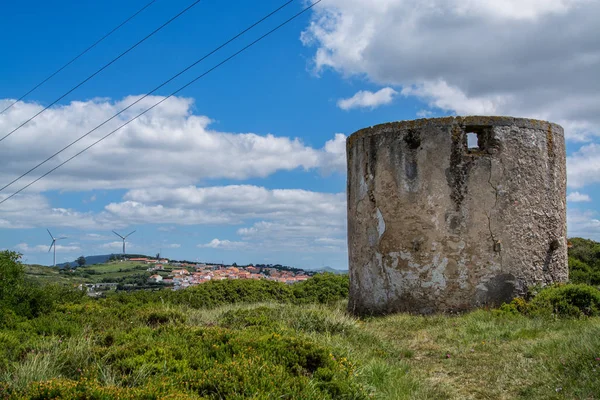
[273,217]
[34,210]
[277,219]
[117,245]
[43,248]
[367,99]
[223,244]
[583,166]
[577,197]
[440,95]
[583,223]
[166,147]
[525,58]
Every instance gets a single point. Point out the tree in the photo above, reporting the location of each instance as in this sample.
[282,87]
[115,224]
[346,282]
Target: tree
[19,297]
[584,261]
[12,275]
[81,261]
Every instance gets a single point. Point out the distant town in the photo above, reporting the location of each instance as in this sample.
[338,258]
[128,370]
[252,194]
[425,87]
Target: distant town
[186,275]
[149,273]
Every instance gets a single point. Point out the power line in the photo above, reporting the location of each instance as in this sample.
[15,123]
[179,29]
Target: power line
[166,98]
[104,67]
[149,93]
[79,55]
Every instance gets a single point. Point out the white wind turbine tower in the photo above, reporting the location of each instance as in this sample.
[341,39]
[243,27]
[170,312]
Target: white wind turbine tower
[53,244]
[124,237]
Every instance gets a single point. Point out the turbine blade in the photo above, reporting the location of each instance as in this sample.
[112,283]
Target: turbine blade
[129,234]
[50,233]
[51,246]
[118,235]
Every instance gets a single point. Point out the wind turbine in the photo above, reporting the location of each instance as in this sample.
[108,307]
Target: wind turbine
[124,237]
[53,244]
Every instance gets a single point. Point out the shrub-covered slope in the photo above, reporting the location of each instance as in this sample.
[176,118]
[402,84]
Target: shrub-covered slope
[265,340]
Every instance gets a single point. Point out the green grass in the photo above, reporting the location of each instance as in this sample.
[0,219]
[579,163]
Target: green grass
[46,275]
[484,355]
[305,351]
[115,267]
[266,340]
[111,271]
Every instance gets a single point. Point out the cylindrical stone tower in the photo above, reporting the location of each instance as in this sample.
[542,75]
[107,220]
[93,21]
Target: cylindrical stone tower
[454,213]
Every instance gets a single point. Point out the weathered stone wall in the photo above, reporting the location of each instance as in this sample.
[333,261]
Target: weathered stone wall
[437,226]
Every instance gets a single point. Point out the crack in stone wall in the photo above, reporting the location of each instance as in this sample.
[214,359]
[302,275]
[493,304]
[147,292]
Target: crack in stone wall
[496,244]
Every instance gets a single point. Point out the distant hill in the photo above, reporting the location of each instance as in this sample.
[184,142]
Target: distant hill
[103,259]
[331,270]
[90,260]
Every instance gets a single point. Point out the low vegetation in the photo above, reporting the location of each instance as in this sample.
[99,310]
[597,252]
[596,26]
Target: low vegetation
[584,261]
[266,340]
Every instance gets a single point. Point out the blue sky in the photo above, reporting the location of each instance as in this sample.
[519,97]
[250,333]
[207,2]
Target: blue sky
[247,165]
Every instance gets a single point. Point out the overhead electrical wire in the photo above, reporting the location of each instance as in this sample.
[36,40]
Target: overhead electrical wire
[103,67]
[79,55]
[172,94]
[150,92]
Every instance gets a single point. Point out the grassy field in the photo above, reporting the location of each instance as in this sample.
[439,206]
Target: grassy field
[116,267]
[46,275]
[486,356]
[111,271]
[247,339]
[481,355]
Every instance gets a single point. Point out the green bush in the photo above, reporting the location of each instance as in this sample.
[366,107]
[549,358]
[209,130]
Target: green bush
[322,288]
[572,300]
[55,325]
[10,348]
[517,306]
[580,272]
[156,317]
[213,294]
[260,317]
[18,296]
[57,343]
[177,360]
[22,298]
[281,317]
[584,261]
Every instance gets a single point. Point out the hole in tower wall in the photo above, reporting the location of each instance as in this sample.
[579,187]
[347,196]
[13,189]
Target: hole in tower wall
[481,139]
[412,139]
[472,141]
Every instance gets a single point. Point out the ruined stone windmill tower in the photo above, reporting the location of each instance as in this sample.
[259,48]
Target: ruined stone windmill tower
[454,213]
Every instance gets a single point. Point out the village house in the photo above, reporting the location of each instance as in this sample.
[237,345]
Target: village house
[155,279]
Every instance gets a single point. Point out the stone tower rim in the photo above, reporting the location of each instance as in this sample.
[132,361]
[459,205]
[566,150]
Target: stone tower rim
[475,120]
